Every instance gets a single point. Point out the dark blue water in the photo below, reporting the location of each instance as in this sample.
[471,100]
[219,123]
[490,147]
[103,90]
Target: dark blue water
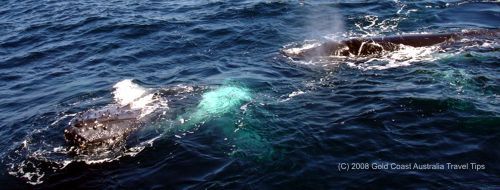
[60,58]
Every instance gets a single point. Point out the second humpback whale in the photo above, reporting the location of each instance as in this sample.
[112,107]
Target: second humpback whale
[374,46]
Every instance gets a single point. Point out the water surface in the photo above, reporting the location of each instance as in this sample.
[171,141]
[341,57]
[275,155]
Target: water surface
[425,105]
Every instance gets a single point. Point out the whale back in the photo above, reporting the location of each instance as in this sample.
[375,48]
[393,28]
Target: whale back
[374,46]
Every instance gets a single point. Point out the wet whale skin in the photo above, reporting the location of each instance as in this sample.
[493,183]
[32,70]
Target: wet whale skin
[104,126]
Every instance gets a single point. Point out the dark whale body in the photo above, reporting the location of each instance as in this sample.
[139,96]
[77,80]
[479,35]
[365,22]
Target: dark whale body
[104,126]
[112,124]
[377,45]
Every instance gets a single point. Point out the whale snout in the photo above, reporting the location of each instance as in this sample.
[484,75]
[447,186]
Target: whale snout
[102,127]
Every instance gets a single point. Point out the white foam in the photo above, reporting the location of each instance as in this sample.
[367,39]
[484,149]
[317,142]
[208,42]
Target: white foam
[61,118]
[299,50]
[296,93]
[126,92]
[293,94]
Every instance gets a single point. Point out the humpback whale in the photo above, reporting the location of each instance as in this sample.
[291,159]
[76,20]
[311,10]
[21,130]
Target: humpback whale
[112,124]
[375,46]
[104,126]
[134,107]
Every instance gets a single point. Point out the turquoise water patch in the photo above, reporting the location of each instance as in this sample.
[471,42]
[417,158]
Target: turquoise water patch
[218,102]
[224,109]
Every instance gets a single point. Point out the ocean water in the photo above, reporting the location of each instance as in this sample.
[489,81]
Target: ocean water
[305,119]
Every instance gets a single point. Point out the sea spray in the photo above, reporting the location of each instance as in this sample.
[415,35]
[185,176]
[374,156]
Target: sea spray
[323,22]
